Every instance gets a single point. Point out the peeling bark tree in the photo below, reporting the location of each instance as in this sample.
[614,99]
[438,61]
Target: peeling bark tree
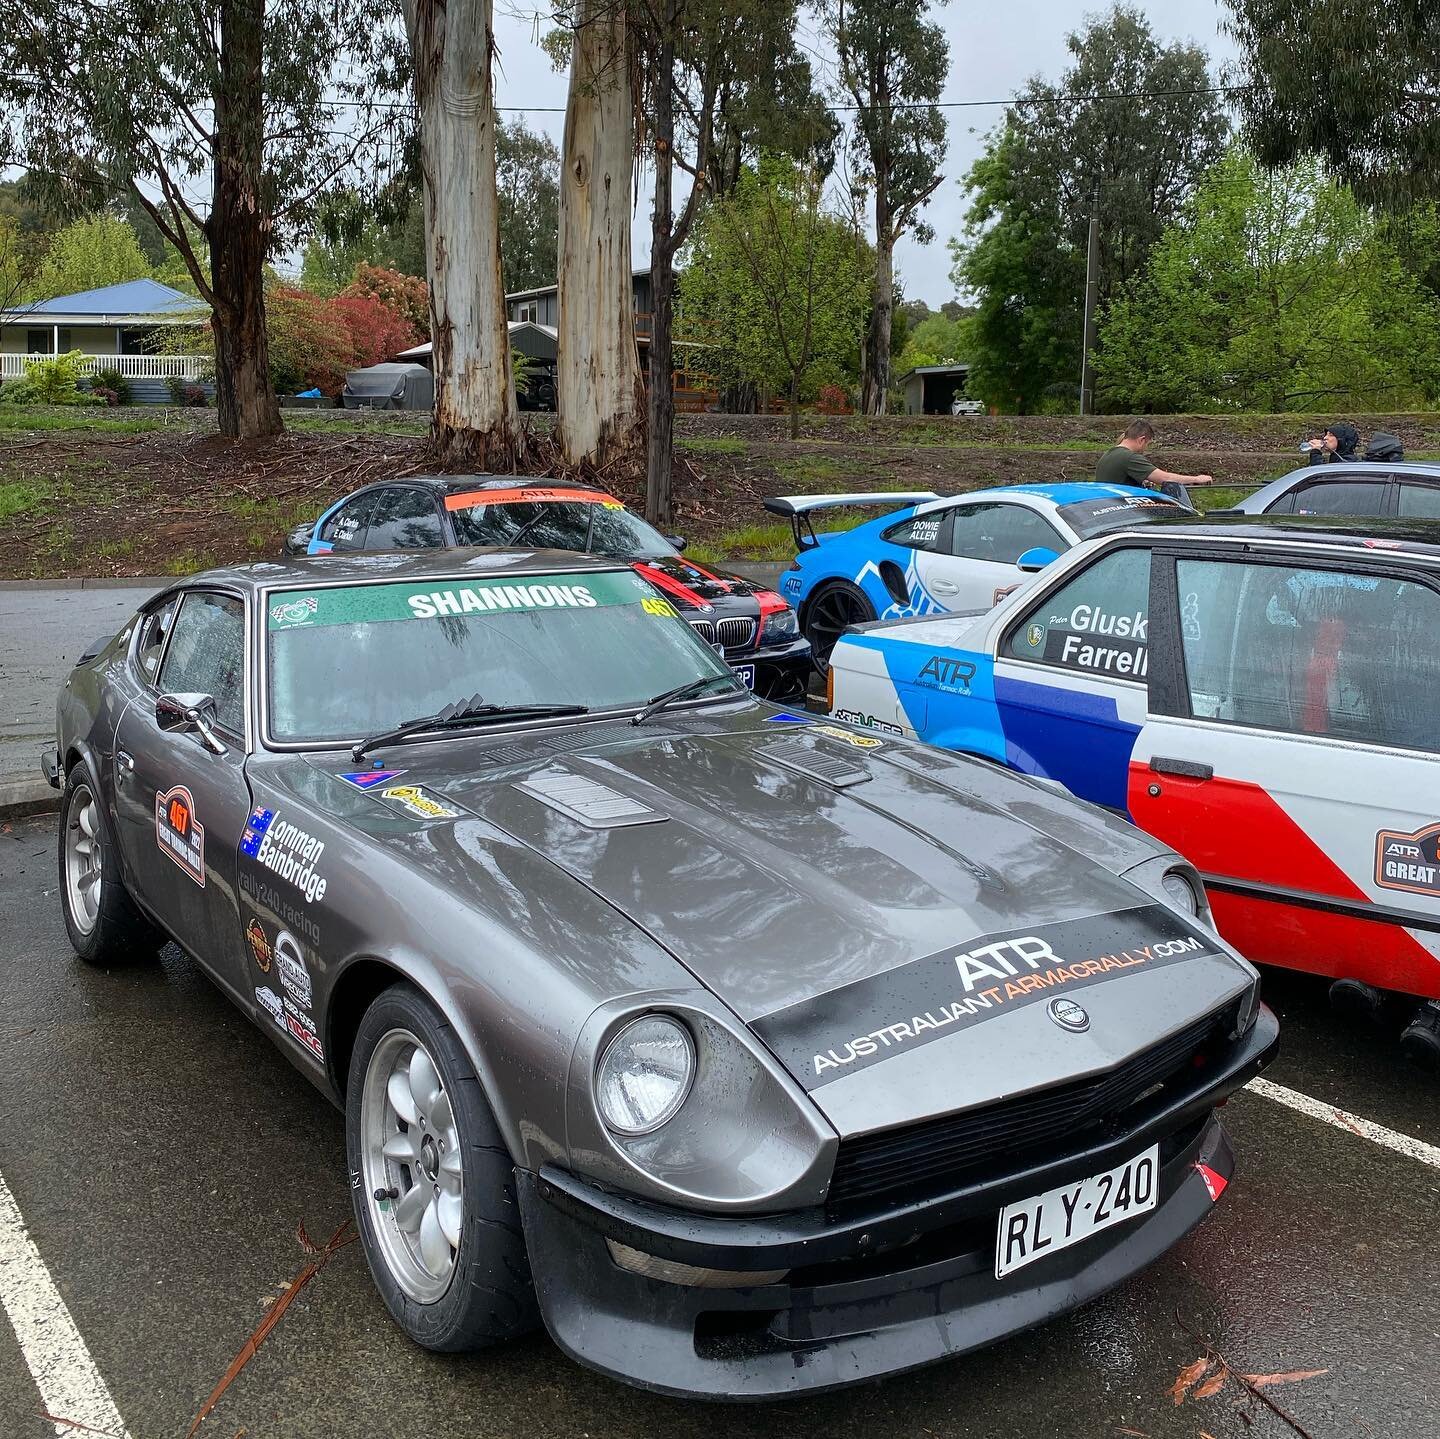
[601,406]
[452,46]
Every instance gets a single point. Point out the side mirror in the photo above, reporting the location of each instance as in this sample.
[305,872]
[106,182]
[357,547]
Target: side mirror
[189,714]
[893,578]
[677,540]
[1034,560]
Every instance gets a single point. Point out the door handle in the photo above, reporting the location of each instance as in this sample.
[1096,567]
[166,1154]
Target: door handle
[124,765]
[1185,768]
[944,587]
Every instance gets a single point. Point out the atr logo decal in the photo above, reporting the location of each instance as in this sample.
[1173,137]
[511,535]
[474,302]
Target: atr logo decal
[295,612]
[848,1029]
[259,945]
[255,828]
[179,833]
[860,741]
[418,802]
[292,854]
[948,674]
[1409,861]
[369,778]
[791,584]
[869,721]
[290,967]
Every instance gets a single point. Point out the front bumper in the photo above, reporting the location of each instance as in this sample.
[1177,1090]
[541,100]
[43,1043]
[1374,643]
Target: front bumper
[866,1296]
[782,672]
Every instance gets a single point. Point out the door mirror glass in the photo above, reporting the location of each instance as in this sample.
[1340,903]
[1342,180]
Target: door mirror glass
[678,541]
[1034,560]
[189,714]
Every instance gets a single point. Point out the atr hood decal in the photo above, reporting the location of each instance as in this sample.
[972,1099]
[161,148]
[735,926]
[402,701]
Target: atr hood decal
[860,1024]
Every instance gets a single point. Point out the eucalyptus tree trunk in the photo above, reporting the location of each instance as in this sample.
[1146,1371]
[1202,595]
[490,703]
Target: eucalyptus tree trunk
[476,421]
[238,230]
[875,391]
[601,412]
[660,415]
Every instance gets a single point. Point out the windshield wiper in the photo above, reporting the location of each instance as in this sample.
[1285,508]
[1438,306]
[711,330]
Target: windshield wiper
[688,691]
[462,714]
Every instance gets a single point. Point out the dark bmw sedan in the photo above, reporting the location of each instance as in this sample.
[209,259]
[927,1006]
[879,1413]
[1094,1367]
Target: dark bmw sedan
[753,626]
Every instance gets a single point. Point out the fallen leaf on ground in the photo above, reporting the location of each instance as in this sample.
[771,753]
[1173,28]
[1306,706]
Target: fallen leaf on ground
[1186,1378]
[1212,1386]
[1293,1376]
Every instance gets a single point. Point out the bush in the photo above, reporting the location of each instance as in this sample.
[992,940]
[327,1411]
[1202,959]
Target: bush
[103,395]
[186,393]
[833,400]
[376,330]
[48,380]
[407,295]
[107,377]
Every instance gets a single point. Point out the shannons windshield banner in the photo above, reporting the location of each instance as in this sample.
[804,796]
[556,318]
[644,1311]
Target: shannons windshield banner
[435,599]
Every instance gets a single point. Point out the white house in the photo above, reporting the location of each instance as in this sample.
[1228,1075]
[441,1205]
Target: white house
[111,326]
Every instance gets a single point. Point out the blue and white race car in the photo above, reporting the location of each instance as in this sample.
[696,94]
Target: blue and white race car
[941,554]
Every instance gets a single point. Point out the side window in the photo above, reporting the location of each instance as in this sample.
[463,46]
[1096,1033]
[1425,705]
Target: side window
[930,531]
[404,519]
[1350,655]
[207,655]
[150,644]
[1420,502]
[1096,624]
[1001,533]
[1341,497]
[345,529]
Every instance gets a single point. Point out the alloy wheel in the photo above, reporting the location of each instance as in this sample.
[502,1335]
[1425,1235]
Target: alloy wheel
[84,860]
[832,612]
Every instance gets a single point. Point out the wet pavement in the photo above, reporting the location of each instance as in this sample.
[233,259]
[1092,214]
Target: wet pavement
[163,1153]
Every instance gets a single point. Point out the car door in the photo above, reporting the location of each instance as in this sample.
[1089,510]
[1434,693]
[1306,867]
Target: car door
[344,529]
[180,808]
[1418,499]
[1367,493]
[976,568]
[404,518]
[1292,757]
[1070,675]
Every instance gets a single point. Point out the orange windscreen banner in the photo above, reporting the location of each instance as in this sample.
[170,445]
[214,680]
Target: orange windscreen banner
[468,499]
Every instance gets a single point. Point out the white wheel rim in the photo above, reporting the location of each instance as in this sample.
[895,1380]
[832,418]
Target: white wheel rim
[84,860]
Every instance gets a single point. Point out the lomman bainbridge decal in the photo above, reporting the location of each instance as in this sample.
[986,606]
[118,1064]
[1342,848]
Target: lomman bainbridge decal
[860,1024]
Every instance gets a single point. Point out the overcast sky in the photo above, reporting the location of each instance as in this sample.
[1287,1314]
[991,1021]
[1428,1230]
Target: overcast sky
[994,49]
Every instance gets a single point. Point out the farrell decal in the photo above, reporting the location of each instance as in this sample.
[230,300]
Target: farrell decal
[179,833]
[1409,861]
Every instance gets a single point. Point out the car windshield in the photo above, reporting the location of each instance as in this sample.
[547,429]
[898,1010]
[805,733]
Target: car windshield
[355,660]
[1110,512]
[592,524]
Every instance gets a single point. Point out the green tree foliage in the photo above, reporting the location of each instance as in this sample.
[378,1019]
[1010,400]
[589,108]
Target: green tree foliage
[1274,291]
[1136,152]
[775,282]
[1356,83]
[98,250]
[893,58]
[527,176]
[935,340]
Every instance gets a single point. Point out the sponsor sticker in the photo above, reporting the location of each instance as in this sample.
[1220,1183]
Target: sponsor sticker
[269,1001]
[848,1029]
[868,721]
[305,1033]
[787,718]
[260,945]
[299,610]
[1409,861]
[179,833]
[255,828]
[1094,640]
[945,672]
[860,741]
[369,778]
[1035,635]
[791,584]
[290,969]
[419,802]
[294,855]
[654,605]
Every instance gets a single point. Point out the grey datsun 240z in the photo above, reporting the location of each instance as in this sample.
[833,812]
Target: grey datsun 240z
[751,1053]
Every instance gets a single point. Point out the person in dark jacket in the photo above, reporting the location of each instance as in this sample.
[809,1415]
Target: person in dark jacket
[1336,446]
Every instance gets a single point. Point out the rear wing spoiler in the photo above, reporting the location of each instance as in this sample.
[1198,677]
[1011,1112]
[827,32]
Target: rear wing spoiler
[797,508]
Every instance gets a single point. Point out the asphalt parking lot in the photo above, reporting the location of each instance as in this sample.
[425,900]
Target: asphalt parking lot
[162,1156]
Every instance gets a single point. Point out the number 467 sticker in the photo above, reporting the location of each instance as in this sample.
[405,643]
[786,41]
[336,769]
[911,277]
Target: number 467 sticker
[178,833]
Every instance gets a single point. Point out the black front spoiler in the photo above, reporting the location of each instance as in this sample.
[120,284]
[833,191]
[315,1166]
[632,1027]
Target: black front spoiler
[867,1296]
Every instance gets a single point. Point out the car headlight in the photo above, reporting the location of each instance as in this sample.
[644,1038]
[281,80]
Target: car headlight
[645,1074]
[780,626]
[1181,892]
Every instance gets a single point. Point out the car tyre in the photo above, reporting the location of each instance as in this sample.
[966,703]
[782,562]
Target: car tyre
[830,611]
[105,926]
[426,1158]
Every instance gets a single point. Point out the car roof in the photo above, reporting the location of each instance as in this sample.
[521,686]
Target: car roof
[1064,492]
[1424,469]
[437,564]
[453,484]
[1416,538]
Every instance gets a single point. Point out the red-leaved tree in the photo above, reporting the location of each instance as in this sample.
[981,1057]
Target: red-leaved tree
[377,332]
[407,295]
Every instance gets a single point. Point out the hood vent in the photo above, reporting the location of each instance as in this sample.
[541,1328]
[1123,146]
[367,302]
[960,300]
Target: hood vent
[587,801]
[814,763]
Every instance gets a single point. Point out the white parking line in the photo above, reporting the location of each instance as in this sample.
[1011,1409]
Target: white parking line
[1342,1119]
[70,1385]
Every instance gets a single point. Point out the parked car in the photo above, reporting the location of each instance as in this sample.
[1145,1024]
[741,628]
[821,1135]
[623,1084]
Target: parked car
[964,552]
[757,630]
[1258,694]
[1404,491]
[751,1053]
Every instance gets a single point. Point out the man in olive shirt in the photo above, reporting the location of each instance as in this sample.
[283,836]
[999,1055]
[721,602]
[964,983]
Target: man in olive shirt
[1126,464]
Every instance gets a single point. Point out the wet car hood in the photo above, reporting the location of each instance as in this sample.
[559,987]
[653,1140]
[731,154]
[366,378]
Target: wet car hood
[826,887]
[700,587]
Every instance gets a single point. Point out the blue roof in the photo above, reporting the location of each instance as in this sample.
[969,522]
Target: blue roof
[133,297]
[1071,492]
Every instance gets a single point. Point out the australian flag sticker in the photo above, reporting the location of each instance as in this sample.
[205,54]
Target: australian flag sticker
[255,828]
[369,778]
